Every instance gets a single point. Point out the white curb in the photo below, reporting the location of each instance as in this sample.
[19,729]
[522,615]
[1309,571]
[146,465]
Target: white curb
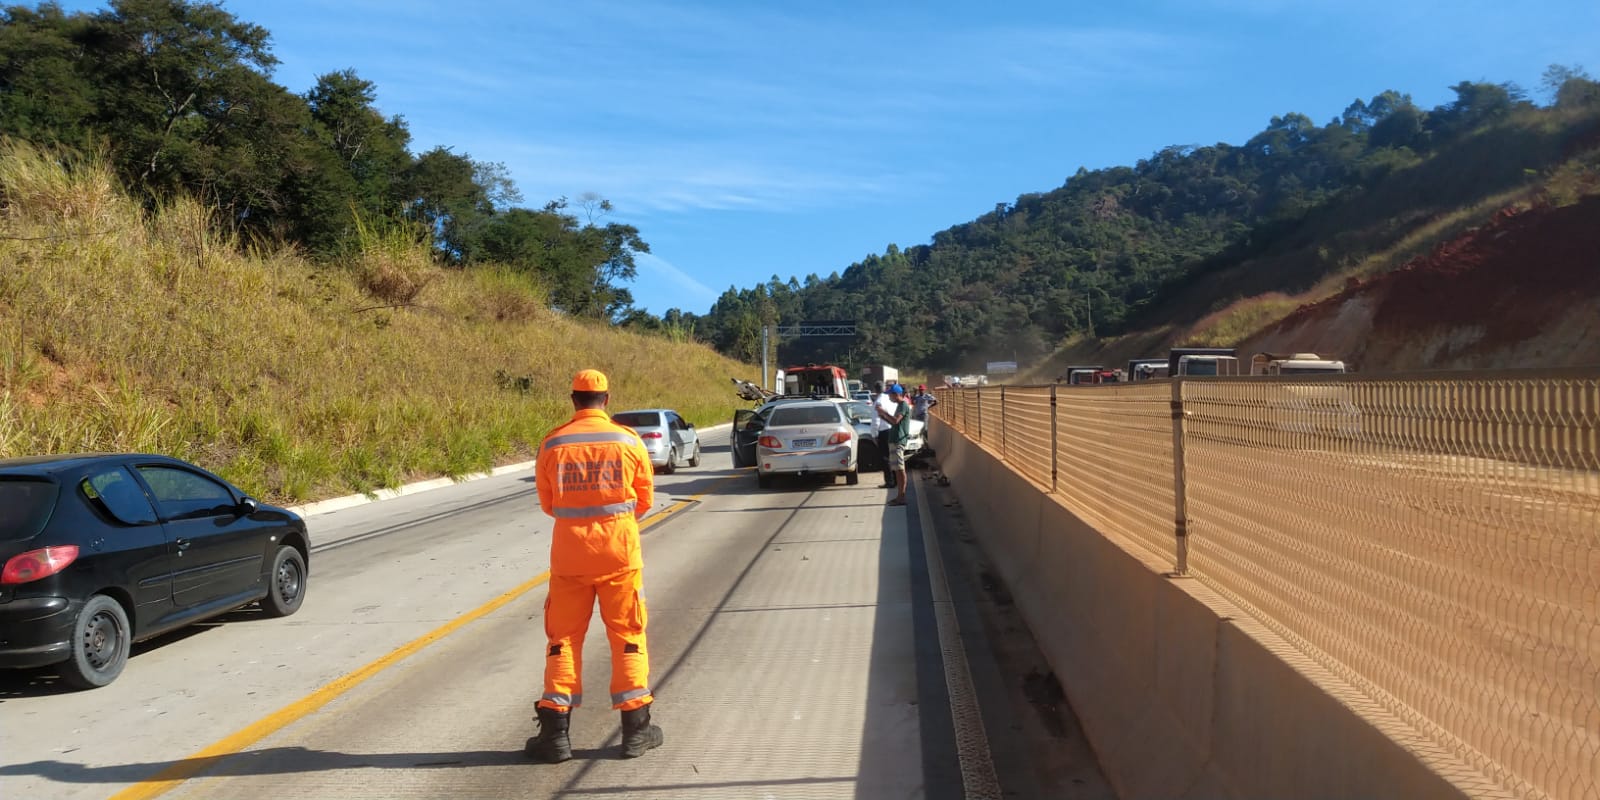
[353,500]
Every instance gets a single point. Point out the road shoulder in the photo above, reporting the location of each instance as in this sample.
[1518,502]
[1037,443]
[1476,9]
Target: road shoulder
[1038,746]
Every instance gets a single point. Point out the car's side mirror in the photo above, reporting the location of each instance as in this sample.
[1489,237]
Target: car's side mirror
[689,425]
[248,506]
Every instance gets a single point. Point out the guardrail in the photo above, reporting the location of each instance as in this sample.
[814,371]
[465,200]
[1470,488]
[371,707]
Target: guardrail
[1433,539]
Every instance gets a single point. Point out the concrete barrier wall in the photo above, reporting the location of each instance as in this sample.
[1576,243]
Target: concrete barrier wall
[1182,695]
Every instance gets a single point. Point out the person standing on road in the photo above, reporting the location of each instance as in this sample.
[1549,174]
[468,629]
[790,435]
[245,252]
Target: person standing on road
[594,477]
[921,402]
[899,434]
[883,404]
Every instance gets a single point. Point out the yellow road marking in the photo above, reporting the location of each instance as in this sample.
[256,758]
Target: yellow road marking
[168,779]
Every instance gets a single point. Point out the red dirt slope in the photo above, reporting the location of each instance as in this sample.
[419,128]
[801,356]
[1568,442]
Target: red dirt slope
[1520,291]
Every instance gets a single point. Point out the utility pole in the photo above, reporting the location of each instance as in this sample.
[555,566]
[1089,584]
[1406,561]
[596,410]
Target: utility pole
[766,372]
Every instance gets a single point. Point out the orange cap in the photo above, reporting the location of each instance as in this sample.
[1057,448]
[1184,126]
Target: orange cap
[590,380]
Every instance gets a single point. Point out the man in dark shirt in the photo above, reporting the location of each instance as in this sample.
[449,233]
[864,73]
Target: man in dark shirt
[899,433]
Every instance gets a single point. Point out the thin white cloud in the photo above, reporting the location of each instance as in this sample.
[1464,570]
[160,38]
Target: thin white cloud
[644,178]
[665,270]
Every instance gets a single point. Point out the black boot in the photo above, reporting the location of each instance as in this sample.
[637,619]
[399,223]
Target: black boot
[638,735]
[551,745]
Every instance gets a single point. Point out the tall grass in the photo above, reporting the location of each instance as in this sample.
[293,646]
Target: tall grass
[1238,321]
[128,330]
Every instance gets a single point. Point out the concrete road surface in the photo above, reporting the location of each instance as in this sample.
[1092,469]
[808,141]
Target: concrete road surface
[794,644]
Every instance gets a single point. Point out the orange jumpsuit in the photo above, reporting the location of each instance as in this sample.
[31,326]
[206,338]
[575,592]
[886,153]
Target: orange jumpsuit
[595,478]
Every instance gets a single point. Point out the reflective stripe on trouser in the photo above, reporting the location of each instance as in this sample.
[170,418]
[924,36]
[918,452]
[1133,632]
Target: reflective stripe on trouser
[567,608]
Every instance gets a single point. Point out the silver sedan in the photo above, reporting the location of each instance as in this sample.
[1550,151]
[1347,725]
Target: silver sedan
[807,438]
[670,438]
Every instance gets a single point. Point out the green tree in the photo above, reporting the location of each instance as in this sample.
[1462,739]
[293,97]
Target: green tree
[455,197]
[182,82]
[372,149]
[1570,86]
[582,263]
[46,94]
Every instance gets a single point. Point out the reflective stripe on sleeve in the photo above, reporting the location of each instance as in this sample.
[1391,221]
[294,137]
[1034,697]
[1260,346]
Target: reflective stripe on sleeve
[579,512]
[601,437]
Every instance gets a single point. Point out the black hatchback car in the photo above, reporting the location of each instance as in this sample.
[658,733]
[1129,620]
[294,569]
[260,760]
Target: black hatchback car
[101,551]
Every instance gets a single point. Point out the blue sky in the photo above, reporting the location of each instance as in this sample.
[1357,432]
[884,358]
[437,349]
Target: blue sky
[747,139]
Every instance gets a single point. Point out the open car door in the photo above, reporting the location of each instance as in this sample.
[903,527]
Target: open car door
[746,429]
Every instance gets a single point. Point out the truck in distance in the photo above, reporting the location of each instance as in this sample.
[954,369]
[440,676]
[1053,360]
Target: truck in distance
[1202,361]
[879,373]
[816,380]
[1146,369]
[1295,364]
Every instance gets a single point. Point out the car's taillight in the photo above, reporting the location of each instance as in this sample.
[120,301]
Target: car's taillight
[650,435]
[36,564]
[770,442]
[840,438]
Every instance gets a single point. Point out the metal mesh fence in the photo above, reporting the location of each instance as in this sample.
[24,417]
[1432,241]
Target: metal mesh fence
[1114,456]
[989,414]
[1434,541]
[1437,543]
[952,409]
[1027,431]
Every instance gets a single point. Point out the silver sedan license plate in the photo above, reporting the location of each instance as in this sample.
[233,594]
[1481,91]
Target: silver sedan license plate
[798,443]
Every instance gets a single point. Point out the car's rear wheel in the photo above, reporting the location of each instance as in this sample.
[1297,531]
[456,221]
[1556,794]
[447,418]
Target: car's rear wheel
[100,641]
[852,477]
[672,462]
[286,588]
[694,461]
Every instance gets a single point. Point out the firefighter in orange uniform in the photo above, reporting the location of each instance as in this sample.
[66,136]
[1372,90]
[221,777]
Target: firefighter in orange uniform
[595,478]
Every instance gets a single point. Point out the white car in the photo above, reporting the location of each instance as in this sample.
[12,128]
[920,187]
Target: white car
[670,438]
[748,423]
[806,438]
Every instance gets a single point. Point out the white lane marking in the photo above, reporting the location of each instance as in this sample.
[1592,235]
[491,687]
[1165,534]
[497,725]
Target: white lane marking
[978,777]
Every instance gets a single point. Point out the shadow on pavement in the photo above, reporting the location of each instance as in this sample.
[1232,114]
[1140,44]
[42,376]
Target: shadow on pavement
[766,509]
[685,486]
[899,692]
[277,761]
[45,681]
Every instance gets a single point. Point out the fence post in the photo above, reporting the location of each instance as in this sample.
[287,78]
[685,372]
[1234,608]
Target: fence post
[1002,423]
[1180,499]
[979,393]
[1053,431]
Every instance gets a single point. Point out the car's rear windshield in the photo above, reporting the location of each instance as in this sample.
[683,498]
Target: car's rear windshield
[25,506]
[639,419]
[804,415]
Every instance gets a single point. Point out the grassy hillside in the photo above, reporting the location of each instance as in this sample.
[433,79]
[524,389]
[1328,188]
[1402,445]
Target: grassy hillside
[1537,157]
[161,332]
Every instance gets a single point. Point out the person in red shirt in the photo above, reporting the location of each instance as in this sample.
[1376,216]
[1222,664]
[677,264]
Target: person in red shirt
[594,477]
